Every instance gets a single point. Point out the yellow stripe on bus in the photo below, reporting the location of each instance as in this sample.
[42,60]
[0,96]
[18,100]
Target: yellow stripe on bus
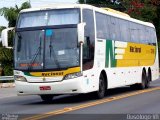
[137,55]
[55,73]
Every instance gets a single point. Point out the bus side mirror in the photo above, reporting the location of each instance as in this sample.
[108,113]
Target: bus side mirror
[80,30]
[4,36]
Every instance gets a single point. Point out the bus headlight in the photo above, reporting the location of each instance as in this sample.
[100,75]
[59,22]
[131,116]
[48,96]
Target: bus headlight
[73,75]
[20,78]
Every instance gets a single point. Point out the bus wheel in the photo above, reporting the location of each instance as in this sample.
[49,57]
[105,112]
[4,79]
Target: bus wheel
[144,81]
[148,80]
[102,88]
[47,98]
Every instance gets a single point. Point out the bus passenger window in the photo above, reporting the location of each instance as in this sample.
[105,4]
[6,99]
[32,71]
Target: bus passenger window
[135,32]
[89,43]
[114,28]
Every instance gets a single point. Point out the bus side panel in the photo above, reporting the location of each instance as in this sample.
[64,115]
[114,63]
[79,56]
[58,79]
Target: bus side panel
[124,61]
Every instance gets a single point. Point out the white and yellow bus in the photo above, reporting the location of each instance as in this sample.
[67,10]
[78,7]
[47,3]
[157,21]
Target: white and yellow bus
[75,48]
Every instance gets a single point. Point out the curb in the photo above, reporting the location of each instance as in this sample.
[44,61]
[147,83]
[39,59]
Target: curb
[7,85]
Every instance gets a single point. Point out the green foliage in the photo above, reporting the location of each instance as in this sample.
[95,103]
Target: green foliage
[6,58]
[1,28]
[11,37]
[24,6]
[141,10]
[11,14]
[157,23]
[6,55]
[148,13]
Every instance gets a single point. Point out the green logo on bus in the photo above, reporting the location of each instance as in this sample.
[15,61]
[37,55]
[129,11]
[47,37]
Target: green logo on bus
[110,54]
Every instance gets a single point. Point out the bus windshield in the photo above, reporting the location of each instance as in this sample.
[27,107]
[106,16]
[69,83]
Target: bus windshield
[48,18]
[46,49]
[47,40]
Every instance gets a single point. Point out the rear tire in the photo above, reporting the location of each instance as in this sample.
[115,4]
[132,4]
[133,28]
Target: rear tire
[148,80]
[102,88]
[144,82]
[47,98]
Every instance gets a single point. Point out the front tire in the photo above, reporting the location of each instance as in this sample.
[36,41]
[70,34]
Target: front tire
[47,98]
[102,88]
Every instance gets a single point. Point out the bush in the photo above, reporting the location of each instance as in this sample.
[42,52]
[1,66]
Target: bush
[6,59]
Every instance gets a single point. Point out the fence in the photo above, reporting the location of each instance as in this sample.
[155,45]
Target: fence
[6,78]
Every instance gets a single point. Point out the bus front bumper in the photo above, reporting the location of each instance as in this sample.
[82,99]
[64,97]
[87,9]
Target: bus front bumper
[71,86]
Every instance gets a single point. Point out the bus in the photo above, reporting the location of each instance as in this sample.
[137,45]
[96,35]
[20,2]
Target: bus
[77,49]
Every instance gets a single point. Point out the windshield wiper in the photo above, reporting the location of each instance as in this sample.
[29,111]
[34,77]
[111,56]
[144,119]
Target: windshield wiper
[35,56]
[54,55]
[19,42]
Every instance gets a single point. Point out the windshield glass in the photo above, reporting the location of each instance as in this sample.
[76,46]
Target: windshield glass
[48,18]
[46,49]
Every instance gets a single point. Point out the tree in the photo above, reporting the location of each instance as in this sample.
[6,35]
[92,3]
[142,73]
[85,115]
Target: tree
[1,28]
[11,14]
[6,55]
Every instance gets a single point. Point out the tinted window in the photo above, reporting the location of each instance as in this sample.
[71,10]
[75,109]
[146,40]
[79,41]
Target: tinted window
[152,36]
[102,25]
[142,34]
[47,18]
[147,34]
[89,43]
[124,30]
[134,31]
[46,49]
[114,28]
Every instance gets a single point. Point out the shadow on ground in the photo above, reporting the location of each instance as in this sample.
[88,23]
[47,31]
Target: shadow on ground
[82,98]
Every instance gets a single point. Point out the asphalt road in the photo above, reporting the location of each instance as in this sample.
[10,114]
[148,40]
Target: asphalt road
[120,103]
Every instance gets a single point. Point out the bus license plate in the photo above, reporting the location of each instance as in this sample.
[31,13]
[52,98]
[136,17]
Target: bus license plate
[45,87]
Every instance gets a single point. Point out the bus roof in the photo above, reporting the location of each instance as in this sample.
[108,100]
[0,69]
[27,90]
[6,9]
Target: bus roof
[101,10]
[116,12]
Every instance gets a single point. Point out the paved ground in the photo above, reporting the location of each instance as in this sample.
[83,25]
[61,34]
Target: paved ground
[7,92]
[144,103]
